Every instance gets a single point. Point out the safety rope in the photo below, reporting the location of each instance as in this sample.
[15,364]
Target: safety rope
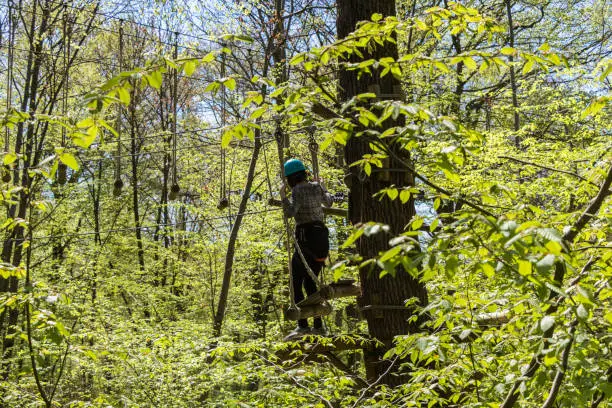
[311,273]
[313,146]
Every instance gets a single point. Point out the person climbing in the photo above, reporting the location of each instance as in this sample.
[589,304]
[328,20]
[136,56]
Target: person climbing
[311,234]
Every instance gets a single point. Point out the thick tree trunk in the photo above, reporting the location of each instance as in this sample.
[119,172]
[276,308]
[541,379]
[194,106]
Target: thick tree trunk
[383,299]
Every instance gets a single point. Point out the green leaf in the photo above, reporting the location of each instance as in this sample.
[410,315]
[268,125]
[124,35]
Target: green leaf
[392,193]
[108,127]
[9,158]
[508,51]
[524,267]
[213,87]
[237,37]
[547,322]
[595,106]
[582,312]
[298,58]
[452,263]
[210,57]
[550,234]
[487,269]
[82,139]
[124,96]
[544,48]
[554,247]
[605,72]
[155,79]
[554,58]
[390,253]
[545,264]
[550,360]
[404,196]
[227,137]
[229,83]
[434,225]
[417,223]
[470,63]
[352,238]
[69,160]
[189,67]
[257,113]
[528,66]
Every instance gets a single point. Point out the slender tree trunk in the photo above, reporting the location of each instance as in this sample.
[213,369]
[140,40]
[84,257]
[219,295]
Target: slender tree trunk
[231,246]
[95,196]
[513,85]
[13,246]
[383,299]
[162,212]
[135,198]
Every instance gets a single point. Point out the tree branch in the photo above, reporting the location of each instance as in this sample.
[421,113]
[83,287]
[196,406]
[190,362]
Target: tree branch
[365,391]
[556,385]
[548,168]
[432,185]
[591,210]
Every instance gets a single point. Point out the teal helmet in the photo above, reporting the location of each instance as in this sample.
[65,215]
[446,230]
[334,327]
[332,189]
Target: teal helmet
[293,166]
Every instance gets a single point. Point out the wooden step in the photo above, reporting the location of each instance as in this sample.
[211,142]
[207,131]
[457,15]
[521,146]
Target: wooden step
[316,304]
[307,311]
[333,291]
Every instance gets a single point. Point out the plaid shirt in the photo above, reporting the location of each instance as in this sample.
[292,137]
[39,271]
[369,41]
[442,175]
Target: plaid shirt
[305,203]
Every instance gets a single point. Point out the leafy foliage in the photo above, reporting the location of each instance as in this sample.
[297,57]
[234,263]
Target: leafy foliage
[115,307]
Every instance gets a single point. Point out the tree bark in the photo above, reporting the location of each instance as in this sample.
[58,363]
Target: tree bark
[231,246]
[383,299]
[135,195]
[513,85]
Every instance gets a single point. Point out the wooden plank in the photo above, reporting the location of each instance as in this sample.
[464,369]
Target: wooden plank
[314,299]
[333,291]
[304,312]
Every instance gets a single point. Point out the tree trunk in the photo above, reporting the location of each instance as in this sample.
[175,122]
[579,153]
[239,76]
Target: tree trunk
[383,299]
[231,246]
[513,85]
[135,199]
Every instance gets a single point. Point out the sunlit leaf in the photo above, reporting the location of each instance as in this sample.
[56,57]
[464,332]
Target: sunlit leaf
[69,160]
